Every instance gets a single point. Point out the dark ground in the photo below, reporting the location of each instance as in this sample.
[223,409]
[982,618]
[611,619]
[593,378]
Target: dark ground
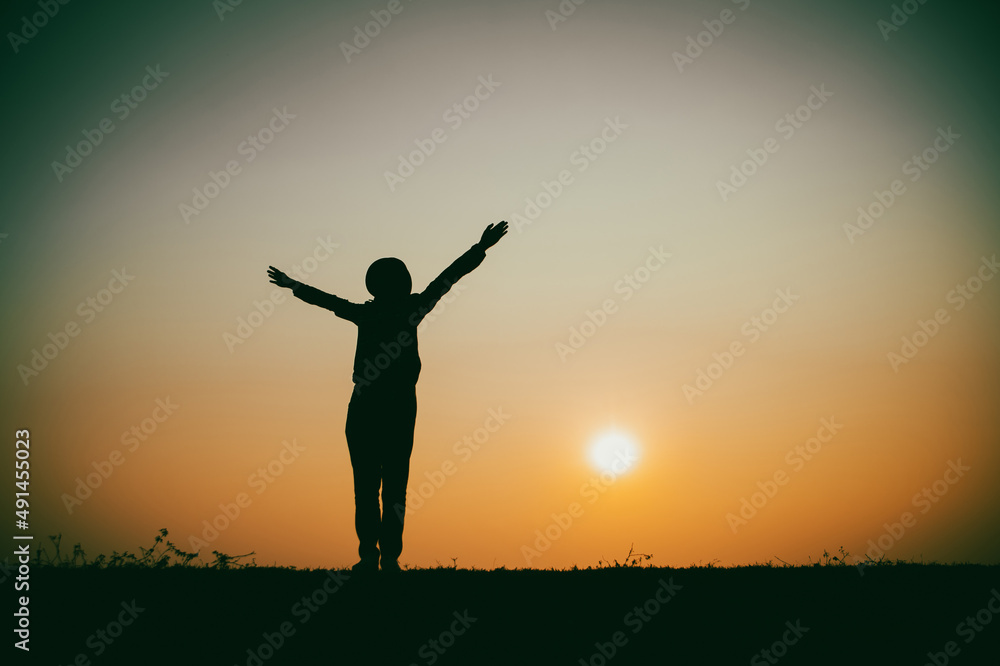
[891,615]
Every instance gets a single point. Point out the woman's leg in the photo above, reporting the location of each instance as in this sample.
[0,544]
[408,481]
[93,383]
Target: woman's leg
[362,442]
[397,446]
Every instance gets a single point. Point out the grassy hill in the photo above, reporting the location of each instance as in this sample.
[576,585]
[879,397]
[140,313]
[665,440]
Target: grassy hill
[150,611]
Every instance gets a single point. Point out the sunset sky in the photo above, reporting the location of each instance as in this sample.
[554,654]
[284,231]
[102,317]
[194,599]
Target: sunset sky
[687,269]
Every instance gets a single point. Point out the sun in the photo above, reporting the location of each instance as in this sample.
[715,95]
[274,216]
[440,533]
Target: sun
[614,451]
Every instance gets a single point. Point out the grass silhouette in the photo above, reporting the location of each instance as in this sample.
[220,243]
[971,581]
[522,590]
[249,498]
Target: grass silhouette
[164,553]
[231,610]
[161,554]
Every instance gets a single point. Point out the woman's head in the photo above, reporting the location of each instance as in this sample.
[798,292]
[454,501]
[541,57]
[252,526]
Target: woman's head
[388,279]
